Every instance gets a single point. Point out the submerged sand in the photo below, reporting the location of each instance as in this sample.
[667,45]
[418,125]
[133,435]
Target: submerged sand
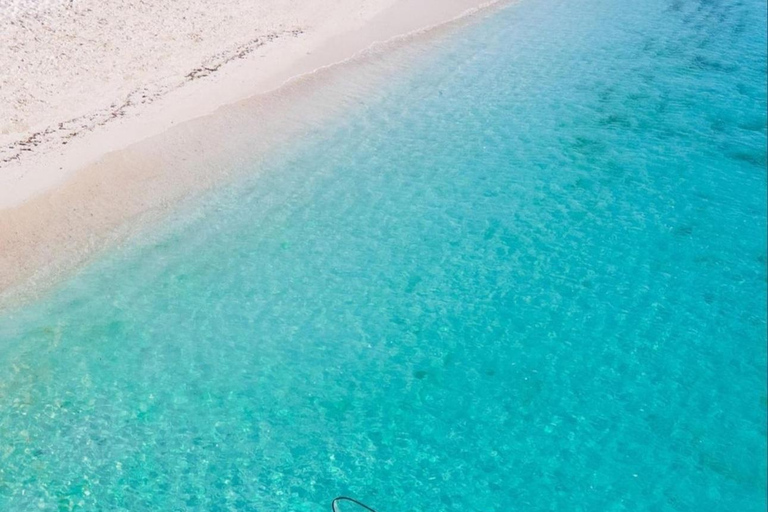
[100,100]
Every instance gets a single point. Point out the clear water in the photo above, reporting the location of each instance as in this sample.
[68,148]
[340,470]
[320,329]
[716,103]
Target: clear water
[527,274]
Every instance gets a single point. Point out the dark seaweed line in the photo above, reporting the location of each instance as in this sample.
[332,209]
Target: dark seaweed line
[77,126]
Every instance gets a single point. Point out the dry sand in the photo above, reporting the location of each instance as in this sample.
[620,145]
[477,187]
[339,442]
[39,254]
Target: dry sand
[94,93]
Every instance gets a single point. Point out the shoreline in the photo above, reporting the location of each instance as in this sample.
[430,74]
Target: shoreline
[65,205]
[44,157]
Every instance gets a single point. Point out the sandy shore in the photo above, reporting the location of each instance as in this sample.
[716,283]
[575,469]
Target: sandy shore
[95,93]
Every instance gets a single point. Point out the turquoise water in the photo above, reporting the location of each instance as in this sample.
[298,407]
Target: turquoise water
[529,273]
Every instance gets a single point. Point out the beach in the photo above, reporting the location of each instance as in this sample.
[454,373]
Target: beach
[84,79]
[514,261]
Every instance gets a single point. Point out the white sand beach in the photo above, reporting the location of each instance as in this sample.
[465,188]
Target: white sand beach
[83,79]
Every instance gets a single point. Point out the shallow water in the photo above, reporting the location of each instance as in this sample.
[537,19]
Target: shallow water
[529,273]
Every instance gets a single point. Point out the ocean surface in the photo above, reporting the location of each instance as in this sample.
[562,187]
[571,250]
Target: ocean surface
[527,272]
